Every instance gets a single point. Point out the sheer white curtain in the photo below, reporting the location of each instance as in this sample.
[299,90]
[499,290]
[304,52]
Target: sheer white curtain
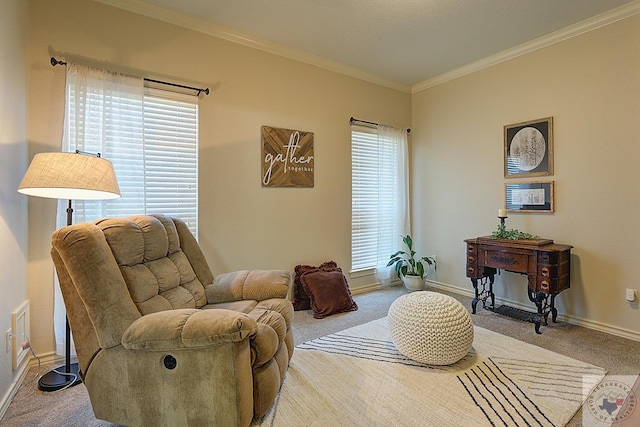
[103,114]
[393,197]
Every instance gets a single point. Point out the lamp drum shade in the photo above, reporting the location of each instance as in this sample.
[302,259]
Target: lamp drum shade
[70,176]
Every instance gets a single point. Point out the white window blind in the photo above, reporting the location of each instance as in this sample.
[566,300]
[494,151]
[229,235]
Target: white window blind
[150,136]
[171,155]
[375,198]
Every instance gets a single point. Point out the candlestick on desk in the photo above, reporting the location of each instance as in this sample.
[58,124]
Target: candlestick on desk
[502,214]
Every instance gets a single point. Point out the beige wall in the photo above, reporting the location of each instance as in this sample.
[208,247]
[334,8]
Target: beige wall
[590,84]
[13,163]
[242,225]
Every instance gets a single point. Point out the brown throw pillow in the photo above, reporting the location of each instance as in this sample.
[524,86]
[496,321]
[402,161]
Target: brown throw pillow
[328,292]
[300,298]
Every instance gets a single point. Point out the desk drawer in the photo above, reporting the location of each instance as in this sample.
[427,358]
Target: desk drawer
[550,285]
[548,257]
[547,271]
[553,257]
[472,262]
[547,285]
[472,249]
[507,261]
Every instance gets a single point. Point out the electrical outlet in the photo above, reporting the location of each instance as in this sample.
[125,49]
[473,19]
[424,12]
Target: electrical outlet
[631,295]
[8,336]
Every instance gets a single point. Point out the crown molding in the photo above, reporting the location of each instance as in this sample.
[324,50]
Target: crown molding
[202,26]
[582,27]
[227,34]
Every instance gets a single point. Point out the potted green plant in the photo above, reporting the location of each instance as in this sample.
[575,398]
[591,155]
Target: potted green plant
[408,268]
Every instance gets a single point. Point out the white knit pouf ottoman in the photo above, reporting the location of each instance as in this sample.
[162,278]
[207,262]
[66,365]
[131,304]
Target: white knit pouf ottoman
[430,328]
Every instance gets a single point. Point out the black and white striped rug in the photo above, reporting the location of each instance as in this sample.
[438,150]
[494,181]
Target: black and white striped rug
[357,377]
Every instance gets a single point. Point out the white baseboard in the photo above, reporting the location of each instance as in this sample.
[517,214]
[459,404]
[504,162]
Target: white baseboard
[14,388]
[602,327]
[365,289]
[23,370]
[449,288]
[586,323]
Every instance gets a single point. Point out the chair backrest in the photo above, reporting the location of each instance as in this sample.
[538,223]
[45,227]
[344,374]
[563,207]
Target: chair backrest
[115,270]
[156,270]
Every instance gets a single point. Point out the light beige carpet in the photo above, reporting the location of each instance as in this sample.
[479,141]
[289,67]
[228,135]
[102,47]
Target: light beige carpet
[356,377]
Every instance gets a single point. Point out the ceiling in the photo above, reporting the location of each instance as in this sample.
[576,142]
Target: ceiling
[400,43]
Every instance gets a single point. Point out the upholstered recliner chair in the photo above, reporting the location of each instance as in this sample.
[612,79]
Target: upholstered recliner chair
[159,340]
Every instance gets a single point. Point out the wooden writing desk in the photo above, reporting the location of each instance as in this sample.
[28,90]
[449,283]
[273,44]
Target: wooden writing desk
[546,265]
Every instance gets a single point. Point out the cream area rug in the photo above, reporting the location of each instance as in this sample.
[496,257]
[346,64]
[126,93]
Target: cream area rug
[358,378]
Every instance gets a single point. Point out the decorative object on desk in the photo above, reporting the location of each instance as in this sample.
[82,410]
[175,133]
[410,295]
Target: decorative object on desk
[408,268]
[528,148]
[287,158]
[535,196]
[71,176]
[502,215]
[513,234]
[503,233]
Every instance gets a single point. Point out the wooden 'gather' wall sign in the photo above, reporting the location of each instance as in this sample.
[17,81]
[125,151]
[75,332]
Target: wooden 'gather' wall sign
[287,158]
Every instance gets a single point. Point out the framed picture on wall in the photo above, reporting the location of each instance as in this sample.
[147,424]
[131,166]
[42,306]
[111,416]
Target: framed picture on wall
[287,157]
[528,148]
[529,196]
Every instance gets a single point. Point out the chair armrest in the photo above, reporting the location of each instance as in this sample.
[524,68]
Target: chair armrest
[264,345]
[188,328]
[256,285]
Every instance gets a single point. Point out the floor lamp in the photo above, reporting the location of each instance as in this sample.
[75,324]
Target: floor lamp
[71,176]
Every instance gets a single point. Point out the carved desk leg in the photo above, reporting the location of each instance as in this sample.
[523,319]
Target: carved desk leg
[491,294]
[539,300]
[484,293]
[474,301]
[554,310]
[542,303]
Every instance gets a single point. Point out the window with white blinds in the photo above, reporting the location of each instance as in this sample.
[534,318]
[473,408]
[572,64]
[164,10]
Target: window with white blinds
[171,155]
[151,137]
[374,198]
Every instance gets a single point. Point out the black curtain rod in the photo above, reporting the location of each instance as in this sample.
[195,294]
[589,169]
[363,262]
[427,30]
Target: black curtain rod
[55,62]
[353,120]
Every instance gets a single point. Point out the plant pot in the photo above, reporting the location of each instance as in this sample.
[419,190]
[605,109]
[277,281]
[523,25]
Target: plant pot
[413,283]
